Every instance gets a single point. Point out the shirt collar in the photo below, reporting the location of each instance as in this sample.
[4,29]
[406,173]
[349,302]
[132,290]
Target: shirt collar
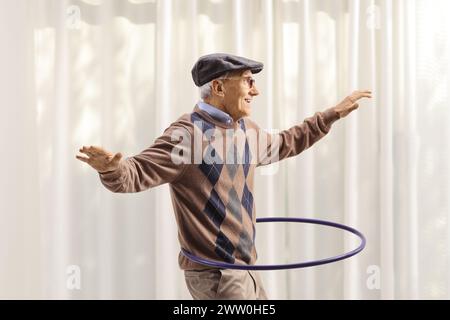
[215,113]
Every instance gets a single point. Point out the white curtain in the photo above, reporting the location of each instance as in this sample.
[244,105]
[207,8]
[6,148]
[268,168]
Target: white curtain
[115,73]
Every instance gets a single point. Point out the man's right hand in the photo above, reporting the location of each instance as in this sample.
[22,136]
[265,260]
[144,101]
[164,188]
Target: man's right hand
[99,159]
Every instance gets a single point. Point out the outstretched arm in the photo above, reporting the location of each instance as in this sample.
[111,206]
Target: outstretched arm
[300,137]
[152,167]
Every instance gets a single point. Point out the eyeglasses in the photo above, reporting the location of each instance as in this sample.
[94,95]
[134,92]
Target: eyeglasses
[250,81]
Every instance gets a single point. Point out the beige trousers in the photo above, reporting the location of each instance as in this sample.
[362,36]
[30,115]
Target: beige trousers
[224,284]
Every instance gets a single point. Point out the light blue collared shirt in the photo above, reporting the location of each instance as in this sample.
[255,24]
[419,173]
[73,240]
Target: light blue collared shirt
[215,113]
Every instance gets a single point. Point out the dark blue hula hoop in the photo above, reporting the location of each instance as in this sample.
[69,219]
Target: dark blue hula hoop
[307,264]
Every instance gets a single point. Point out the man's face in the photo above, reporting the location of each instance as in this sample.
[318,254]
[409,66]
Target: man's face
[238,94]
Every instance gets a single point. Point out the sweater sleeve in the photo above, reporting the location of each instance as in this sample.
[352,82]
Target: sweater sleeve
[152,167]
[293,141]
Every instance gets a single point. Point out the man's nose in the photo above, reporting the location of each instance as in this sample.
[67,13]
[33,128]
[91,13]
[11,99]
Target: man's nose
[254,91]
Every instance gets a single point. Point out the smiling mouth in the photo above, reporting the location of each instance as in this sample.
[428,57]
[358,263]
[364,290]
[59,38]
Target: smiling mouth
[248,100]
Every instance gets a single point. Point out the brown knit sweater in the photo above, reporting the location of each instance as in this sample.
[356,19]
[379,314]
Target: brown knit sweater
[211,182]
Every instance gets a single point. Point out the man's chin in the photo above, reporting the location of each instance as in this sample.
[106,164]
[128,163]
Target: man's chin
[247,112]
[244,113]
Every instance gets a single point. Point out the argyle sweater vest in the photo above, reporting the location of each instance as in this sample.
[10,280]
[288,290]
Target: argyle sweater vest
[211,181]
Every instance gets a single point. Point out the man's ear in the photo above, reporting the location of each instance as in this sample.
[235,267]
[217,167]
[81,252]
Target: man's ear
[219,88]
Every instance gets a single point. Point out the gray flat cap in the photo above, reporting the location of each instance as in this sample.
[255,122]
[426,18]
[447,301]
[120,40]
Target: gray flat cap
[214,65]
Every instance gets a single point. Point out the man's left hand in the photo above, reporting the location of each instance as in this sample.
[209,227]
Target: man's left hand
[350,102]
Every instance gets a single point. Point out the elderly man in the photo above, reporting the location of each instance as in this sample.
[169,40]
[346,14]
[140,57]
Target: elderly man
[213,197]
